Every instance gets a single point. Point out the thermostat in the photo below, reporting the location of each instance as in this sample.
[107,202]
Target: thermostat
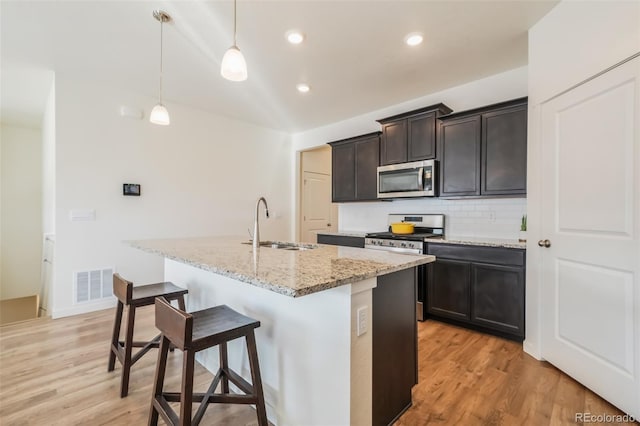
[131,189]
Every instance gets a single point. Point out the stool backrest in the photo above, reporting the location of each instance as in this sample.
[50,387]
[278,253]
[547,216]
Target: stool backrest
[123,289]
[174,324]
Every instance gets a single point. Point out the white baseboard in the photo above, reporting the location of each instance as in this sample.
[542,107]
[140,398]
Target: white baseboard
[533,350]
[83,308]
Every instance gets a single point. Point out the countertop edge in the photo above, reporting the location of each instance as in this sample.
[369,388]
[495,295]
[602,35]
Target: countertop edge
[480,243]
[354,234]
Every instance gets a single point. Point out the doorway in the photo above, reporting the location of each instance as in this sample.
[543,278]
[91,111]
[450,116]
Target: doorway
[21,224]
[316,211]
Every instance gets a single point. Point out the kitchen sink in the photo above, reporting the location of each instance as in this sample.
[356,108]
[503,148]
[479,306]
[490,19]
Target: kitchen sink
[285,246]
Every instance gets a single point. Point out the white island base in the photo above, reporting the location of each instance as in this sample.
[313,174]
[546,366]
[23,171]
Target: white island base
[315,369]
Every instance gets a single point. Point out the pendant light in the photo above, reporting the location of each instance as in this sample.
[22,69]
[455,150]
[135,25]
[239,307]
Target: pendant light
[234,67]
[159,114]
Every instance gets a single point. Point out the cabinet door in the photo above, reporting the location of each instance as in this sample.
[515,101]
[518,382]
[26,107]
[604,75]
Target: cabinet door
[460,157]
[343,172]
[421,133]
[504,151]
[367,161]
[448,289]
[497,294]
[394,142]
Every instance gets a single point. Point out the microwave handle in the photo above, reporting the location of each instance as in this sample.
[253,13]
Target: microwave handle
[421,178]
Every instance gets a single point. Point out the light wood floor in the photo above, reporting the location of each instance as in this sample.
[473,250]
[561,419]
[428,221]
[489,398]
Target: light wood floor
[54,372]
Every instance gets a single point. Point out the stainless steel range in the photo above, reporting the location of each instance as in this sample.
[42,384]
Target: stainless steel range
[426,226]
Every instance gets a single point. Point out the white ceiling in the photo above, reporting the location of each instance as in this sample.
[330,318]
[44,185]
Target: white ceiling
[353,57]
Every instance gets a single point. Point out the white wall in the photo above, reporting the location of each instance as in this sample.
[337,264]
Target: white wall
[200,176]
[483,218]
[49,163]
[573,42]
[48,197]
[21,224]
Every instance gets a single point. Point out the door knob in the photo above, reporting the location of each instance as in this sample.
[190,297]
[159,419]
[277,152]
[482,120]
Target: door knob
[544,243]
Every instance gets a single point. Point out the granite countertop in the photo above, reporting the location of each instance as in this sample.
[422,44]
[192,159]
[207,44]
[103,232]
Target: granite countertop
[288,272]
[480,241]
[344,233]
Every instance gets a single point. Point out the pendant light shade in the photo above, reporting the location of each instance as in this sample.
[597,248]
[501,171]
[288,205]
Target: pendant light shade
[234,67]
[159,114]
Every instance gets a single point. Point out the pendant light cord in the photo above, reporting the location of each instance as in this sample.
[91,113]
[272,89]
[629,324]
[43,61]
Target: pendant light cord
[235,14]
[161,24]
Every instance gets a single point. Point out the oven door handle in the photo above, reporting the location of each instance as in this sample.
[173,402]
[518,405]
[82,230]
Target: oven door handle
[394,249]
[421,178]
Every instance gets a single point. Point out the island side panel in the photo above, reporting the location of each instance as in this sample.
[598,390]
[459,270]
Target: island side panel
[304,344]
[361,353]
[395,366]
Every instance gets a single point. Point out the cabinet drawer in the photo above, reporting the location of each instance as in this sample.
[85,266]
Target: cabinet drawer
[496,255]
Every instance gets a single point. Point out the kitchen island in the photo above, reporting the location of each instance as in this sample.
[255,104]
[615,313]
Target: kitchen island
[337,342]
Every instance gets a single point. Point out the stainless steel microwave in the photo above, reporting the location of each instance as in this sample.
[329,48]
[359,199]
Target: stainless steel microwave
[416,179]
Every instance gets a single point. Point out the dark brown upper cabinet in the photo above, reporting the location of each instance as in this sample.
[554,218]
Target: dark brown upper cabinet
[354,164]
[460,157]
[411,136]
[483,152]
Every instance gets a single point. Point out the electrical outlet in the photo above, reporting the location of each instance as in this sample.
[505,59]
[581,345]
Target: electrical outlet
[362,318]
[492,216]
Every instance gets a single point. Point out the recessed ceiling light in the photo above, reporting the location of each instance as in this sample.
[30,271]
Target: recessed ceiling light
[413,39]
[303,88]
[294,36]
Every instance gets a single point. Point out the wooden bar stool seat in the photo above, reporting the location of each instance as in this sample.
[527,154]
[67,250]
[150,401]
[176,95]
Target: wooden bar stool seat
[135,297]
[193,332]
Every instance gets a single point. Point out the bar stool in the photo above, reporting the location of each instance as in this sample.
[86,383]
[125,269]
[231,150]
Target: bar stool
[135,297]
[192,333]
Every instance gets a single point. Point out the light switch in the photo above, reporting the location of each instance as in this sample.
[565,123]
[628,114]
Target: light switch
[362,319]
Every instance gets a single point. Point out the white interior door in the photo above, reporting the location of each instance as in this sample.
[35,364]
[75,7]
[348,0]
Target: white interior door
[317,208]
[591,218]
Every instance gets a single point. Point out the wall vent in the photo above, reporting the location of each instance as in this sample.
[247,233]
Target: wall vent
[93,285]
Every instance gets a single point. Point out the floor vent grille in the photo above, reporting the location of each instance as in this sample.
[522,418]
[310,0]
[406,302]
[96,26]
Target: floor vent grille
[93,285]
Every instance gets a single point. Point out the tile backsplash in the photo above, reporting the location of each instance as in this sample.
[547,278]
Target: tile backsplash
[481,217]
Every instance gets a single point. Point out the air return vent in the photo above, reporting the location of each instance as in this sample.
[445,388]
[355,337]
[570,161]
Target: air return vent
[93,285]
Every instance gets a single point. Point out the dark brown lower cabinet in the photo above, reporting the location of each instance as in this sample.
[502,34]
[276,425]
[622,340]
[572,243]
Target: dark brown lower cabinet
[395,345]
[498,295]
[449,295]
[340,240]
[481,287]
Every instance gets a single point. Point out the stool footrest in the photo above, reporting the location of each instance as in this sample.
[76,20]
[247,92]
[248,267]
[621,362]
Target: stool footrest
[223,398]
[146,347]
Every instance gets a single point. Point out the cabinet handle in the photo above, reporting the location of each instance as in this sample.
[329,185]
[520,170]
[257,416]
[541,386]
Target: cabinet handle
[328,224]
[544,243]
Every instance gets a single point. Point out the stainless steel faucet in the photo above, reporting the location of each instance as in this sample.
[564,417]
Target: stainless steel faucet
[256,227]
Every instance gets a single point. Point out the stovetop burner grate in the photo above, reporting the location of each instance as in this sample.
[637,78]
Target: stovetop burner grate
[417,236]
